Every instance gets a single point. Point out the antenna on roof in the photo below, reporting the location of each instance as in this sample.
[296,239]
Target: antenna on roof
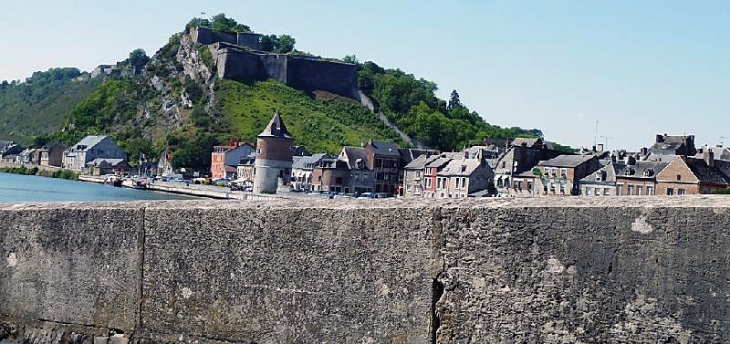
[595,133]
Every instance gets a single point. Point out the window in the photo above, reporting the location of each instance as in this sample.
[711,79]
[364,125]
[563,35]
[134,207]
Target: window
[606,192]
[630,190]
[589,191]
[504,164]
[681,192]
[639,190]
[670,191]
[650,190]
[463,182]
[597,192]
[679,177]
[438,183]
[457,183]
[428,182]
[564,172]
[554,171]
[648,172]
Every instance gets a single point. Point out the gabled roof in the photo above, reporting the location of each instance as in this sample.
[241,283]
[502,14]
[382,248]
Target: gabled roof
[420,162]
[641,169]
[706,174]
[384,148]
[529,142]
[276,128]
[443,159]
[566,160]
[352,155]
[409,154]
[88,142]
[460,167]
[306,162]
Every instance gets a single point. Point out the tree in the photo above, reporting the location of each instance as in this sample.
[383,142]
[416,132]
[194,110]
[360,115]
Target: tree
[267,43]
[454,100]
[138,58]
[221,23]
[285,44]
[351,59]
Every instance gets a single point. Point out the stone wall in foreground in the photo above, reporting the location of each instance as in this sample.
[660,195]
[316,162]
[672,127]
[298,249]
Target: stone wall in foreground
[481,271]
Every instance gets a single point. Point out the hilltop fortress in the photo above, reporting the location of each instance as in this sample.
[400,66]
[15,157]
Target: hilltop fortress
[237,57]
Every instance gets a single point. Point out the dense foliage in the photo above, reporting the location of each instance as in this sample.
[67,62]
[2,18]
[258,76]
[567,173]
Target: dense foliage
[40,103]
[220,23]
[413,106]
[277,44]
[35,171]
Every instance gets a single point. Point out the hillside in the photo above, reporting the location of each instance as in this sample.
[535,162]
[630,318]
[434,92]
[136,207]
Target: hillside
[41,103]
[175,100]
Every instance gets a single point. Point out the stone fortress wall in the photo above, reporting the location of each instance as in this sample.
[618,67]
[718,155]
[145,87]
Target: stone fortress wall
[237,58]
[481,271]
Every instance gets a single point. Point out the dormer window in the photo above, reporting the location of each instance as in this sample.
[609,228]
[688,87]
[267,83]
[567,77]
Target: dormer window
[648,172]
[600,176]
[629,172]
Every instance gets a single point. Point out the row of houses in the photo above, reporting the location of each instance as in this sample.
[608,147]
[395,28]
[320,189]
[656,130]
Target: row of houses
[95,154]
[49,155]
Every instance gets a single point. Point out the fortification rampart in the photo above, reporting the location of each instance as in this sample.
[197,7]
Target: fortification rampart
[482,271]
[233,61]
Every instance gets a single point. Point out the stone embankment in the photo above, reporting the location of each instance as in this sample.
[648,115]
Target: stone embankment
[569,270]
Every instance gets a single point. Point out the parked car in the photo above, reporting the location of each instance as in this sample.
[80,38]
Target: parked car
[366,195]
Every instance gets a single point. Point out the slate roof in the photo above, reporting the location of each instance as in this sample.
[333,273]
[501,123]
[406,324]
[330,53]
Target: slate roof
[420,162]
[102,161]
[352,154]
[611,170]
[409,154]
[276,128]
[527,141]
[566,161]
[720,153]
[460,167]
[443,159]
[384,148]
[88,142]
[306,162]
[706,174]
[638,169]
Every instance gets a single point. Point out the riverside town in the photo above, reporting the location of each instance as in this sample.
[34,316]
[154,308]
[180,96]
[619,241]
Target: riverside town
[398,173]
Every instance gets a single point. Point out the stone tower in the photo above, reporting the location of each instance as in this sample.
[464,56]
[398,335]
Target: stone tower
[273,156]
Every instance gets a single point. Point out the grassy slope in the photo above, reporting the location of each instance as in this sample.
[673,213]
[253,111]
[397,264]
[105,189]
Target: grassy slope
[320,125]
[21,118]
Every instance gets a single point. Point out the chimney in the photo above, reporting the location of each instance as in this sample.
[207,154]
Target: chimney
[644,151]
[709,157]
[599,148]
[660,138]
[630,160]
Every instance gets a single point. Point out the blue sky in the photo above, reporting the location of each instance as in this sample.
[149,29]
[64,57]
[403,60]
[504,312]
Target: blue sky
[638,68]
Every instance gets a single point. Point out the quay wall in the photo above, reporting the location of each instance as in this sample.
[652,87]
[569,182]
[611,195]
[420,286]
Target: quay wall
[568,270]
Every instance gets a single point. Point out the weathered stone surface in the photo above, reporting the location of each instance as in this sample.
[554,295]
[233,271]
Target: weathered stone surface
[573,270]
[70,264]
[272,275]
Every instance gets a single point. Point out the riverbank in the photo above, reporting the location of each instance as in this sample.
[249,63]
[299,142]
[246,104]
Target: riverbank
[197,190]
[38,170]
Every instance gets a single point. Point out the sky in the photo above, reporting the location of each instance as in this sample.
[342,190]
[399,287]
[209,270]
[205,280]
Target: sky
[613,72]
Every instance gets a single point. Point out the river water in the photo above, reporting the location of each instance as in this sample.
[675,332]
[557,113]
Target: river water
[21,188]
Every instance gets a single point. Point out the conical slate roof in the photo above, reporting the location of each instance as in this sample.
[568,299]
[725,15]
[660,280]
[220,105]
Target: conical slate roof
[276,128]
